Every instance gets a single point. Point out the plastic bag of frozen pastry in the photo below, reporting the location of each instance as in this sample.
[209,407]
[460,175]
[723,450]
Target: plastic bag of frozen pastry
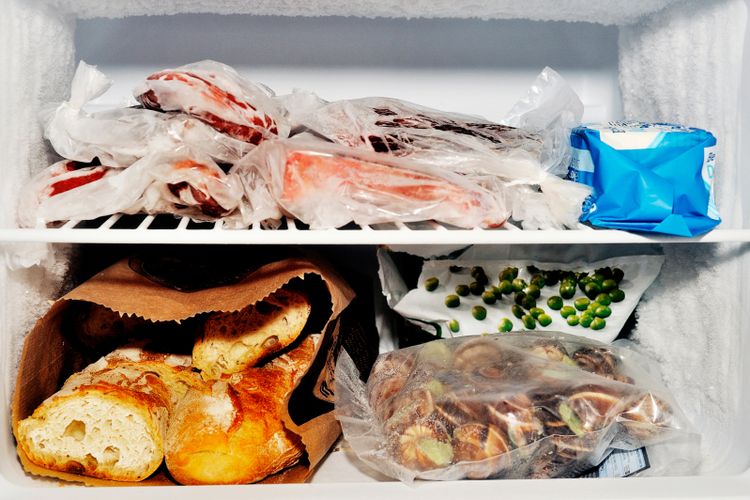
[328,186]
[180,182]
[119,137]
[521,158]
[217,95]
[503,406]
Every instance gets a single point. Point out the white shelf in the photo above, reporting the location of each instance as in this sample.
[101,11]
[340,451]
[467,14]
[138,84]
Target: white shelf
[167,230]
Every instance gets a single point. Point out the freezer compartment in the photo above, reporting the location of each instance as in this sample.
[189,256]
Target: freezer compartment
[687,323]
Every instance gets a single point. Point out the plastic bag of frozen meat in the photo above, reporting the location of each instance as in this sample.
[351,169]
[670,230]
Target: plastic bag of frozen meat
[120,136]
[217,95]
[326,186]
[521,405]
[180,182]
[523,157]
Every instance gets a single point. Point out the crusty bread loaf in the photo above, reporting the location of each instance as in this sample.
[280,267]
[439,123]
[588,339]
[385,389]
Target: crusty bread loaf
[109,420]
[232,342]
[231,432]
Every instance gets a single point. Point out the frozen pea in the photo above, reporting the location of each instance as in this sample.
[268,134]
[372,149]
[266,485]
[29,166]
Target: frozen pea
[431,284]
[505,325]
[454,326]
[462,290]
[567,311]
[534,291]
[479,312]
[604,299]
[476,288]
[555,303]
[518,284]
[603,312]
[586,320]
[544,319]
[608,285]
[592,289]
[517,311]
[489,298]
[528,321]
[572,320]
[505,287]
[582,303]
[452,301]
[536,312]
[617,295]
[598,324]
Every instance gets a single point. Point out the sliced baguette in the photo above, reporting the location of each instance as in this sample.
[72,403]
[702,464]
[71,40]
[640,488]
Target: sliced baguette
[109,420]
[232,342]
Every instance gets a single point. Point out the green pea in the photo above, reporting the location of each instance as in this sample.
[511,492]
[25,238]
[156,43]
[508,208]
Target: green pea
[572,320]
[608,285]
[586,320]
[454,326]
[462,290]
[528,302]
[518,297]
[489,298]
[592,289]
[603,312]
[497,293]
[551,278]
[476,288]
[604,271]
[598,324]
[508,274]
[598,279]
[555,303]
[479,312]
[538,280]
[582,303]
[617,295]
[431,284]
[567,311]
[567,290]
[505,287]
[505,325]
[617,274]
[517,311]
[544,319]
[534,291]
[518,284]
[452,301]
[528,321]
[583,282]
[536,312]
[604,299]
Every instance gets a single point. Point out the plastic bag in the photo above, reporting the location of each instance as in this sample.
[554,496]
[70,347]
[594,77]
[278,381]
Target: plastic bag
[119,137]
[502,406]
[520,158]
[180,182]
[647,177]
[326,186]
[217,95]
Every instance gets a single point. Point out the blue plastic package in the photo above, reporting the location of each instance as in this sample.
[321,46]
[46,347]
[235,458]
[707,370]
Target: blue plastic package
[653,177]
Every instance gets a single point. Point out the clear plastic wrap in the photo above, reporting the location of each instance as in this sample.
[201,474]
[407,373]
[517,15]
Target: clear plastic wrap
[326,185]
[521,157]
[217,95]
[180,182]
[519,405]
[121,136]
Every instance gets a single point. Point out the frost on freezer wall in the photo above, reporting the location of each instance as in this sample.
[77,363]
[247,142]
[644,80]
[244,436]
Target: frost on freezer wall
[683,65]
[601,11]
[34,73]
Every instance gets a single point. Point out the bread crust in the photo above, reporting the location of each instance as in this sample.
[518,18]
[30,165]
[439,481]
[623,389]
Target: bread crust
[231,432]
[110,420]
[233,342]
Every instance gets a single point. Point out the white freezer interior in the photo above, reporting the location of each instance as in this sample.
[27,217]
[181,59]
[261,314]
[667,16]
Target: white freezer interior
[669,60]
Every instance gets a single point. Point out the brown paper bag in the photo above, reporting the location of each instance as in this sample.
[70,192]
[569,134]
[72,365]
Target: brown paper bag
[48,357]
